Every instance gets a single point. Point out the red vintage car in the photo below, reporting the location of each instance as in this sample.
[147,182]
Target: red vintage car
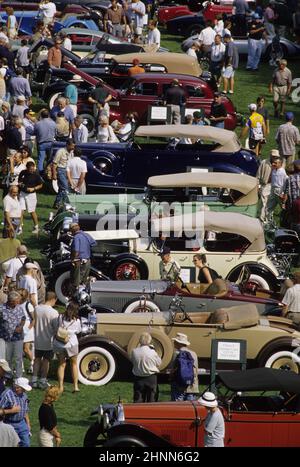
[257,418]
[146,89]
[165,13]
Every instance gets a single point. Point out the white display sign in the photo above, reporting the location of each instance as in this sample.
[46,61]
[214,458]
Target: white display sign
[188,111]
[229,351]
[158,113]
[185,275]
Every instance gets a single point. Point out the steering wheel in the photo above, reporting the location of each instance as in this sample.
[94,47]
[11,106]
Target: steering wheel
[183,285]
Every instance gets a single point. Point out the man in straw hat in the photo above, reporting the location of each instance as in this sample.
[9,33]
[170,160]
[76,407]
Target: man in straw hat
[291,300]
[179,391]
[214,426]
[264,179]
[14,405]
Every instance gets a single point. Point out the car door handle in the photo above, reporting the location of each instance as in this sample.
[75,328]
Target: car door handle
[229,259]
[183,259]
[208,334]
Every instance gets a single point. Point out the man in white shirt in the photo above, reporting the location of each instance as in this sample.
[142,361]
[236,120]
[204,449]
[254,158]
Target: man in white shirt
[45,327]
[217,58]
[278,184]
[153,35]
[66,41]
[291,300]
[15,265]
[207,37]
[192,51]
[80,132]
[48,10]
[29,283]
[12,213]
[139,11]
[145,362]
[76,173]
[8,435]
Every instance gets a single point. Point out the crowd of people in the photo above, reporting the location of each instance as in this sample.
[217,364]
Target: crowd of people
[30,326]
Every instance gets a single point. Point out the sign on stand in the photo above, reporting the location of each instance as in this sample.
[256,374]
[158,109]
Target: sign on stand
[227,351]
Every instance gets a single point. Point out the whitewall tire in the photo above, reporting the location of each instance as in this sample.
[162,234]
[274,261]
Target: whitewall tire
[96,366]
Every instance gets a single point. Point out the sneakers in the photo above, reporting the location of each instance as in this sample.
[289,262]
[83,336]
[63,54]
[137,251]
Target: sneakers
[230,92]
[19,231]
[36,229]
[34,385]
[43,384]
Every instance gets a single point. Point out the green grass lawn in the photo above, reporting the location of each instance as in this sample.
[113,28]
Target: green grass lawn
[73,409]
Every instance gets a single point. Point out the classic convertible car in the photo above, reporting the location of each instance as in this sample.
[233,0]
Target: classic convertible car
[126,167]
[231,241]
[254,416]
[155,296]
[108,351]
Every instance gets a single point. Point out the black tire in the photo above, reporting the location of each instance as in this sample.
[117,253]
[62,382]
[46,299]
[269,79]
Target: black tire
[91,436]
[266,276]
[128,269]
[125,441]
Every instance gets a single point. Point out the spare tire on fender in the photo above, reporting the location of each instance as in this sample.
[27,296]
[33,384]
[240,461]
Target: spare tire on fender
[162,343]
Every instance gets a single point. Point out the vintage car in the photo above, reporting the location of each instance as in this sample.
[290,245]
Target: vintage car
[126,167]
[231,242]
[107,352]
[28,19]
[216,190]
[165,13]
[260,409]
[156,296]
[145,90]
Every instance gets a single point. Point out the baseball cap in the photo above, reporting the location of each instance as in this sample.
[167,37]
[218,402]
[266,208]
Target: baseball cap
[30,266]
[4,365]
[227,36]
[252,106]
[165,251]
[23,383]
[289,116]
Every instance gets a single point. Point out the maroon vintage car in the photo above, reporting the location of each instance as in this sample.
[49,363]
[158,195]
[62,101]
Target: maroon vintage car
[258,419]
[148,89]
[165,13]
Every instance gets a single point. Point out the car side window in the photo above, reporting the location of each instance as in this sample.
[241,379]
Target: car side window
[194,92]
[148,89]
[221,241]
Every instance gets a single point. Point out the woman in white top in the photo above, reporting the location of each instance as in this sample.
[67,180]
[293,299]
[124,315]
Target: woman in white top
[11,23]
[28,328]
[71,323]
[105,132]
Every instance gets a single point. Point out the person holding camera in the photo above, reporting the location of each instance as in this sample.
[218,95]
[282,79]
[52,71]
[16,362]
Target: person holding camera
[146,362]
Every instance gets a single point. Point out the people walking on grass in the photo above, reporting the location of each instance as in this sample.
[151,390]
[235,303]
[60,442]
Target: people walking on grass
[68,351]
[256,36]
[76,173]
[13,213]
[280,87]
[146,362]
[49,434]
[81,253]
[44,330]
[264,176]
[28,346]
[278,184]
[59,168]
[287,137]
[30,183]
[231,63]
[256,129]
[184,370]
[28,282]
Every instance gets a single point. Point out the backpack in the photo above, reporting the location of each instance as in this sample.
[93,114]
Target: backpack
[185,368]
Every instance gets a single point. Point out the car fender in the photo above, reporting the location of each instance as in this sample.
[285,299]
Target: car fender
[108,156]
[254,268]
[135,259]
[139,432]
[280,343]
[63,266]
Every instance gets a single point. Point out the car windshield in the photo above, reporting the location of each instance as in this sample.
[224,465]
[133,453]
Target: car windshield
[128,84]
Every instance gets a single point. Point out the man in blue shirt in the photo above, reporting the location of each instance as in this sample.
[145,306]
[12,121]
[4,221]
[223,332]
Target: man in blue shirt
[44,130]
[14,403]
[66,109]
[80,255]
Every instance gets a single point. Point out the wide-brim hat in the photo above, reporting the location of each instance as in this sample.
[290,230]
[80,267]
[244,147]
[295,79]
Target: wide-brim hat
[181,338]
[23,383]
[75,78]
[208,399]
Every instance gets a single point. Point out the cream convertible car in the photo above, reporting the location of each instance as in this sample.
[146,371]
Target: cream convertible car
[270,340]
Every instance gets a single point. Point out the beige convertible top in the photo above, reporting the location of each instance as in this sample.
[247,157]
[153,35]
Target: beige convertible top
[227,140]
[243,183]
[174,62]
[239,224]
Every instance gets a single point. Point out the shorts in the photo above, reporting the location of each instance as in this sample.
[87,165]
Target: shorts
[47,354]
[28,201]
[279,93]
[228,72]
[253,143]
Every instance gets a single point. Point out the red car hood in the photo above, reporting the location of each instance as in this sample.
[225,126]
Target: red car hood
[159,411]
[91,80]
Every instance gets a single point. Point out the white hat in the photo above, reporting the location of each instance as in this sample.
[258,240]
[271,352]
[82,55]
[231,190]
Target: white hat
[21,98]
[274,153]
[208,399]
[76,78]
[252,107]
[30,266]
[4,365]
[23,383]
[181,339]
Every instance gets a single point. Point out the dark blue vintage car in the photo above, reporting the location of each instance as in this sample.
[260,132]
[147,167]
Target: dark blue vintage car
[117,167]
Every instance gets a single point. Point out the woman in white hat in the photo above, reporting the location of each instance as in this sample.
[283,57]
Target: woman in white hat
[214,426]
